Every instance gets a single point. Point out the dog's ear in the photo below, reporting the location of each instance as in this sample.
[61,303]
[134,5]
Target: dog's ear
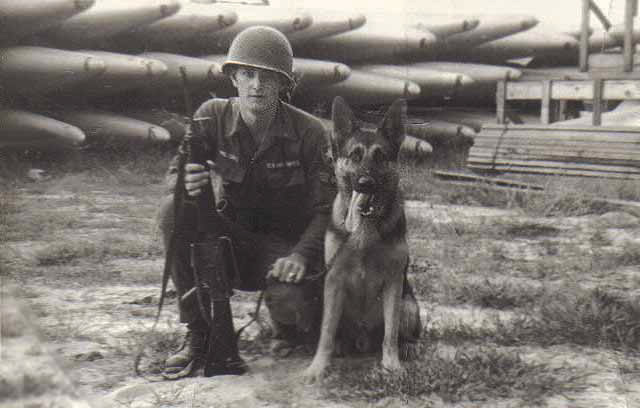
[343,122]
[392,126]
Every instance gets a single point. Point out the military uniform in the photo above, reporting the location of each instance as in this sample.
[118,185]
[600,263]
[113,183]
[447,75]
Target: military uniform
[279,194]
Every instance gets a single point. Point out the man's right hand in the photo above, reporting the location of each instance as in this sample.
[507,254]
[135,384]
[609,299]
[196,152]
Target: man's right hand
[195,178]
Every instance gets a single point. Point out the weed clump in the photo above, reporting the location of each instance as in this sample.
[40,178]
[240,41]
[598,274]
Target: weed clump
[105,248]
[494,294]
[595,318]
[472,374]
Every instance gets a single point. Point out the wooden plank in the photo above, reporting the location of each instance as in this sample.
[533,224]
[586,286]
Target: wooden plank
[559,172]
[631,156]
[615,89]
[618,141]
[574,137]
[600,15]
[561,157]
[626,141]
[449,175]
[546,130]
[546,156]
[554,164]
[555,144]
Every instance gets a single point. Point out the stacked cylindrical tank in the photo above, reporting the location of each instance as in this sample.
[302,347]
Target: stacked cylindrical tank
[78,71]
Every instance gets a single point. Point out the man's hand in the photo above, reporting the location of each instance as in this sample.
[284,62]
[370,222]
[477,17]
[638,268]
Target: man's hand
[195,178]
[290,269]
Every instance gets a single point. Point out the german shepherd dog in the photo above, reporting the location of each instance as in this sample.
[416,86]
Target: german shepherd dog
[368,302]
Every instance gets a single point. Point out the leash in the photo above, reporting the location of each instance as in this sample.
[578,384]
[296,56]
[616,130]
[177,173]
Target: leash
[165,280]
[169,257]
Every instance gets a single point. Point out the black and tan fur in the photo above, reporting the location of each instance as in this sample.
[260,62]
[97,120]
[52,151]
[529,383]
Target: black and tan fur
[368,301]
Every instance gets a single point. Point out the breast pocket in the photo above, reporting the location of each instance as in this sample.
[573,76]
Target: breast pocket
[229,169]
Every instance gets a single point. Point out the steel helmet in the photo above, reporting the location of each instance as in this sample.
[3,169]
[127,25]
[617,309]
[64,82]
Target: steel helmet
[261,47]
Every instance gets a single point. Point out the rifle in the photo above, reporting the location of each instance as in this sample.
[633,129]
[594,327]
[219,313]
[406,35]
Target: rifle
[209,251]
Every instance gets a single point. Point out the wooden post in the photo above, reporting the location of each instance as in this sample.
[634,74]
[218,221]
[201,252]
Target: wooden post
[584,36]
[546,103]
[501,101]
[597,101]
[629,12]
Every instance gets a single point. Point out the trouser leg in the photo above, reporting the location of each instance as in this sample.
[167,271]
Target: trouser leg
[295,307]
[181,274]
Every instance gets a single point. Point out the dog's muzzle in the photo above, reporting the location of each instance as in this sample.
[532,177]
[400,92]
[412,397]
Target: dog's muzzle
[363,196]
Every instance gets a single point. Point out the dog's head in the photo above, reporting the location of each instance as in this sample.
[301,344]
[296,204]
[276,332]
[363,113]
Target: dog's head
[365,159]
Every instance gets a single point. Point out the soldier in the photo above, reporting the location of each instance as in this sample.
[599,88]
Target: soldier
[275,182]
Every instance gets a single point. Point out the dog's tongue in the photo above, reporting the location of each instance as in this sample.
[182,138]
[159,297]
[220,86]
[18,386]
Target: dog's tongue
[354,215]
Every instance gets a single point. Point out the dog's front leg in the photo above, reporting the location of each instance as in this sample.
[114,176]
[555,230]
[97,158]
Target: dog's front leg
[334,293]
[391,307]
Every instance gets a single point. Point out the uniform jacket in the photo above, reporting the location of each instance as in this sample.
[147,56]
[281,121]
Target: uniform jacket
[282,187]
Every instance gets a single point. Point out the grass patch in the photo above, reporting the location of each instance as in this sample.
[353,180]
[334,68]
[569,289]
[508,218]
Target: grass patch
[467,374]
[562,196]
[107,247]
[593,318]
[32,225]
[628,255]
[8,210]
[491,293]
[531,230]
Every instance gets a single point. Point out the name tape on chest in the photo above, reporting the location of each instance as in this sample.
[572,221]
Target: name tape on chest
[283,165]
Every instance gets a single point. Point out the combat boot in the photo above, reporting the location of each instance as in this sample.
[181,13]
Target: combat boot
[190,357]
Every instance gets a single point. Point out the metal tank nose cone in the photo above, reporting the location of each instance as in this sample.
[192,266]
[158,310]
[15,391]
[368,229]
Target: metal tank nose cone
[83,4]
[342,72]
[357,21]
[156,69]
[303,21]
[215,72]
[427,40]
[169,8]
[529,22]
[513,73]
[159,134]
[227,18]
[75,134]
[470,24]
[411,89]
[464,80]
[570,45]
[94,65]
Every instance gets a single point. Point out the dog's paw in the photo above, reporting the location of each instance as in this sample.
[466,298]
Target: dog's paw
[314,373]
[281,348]
[392,364]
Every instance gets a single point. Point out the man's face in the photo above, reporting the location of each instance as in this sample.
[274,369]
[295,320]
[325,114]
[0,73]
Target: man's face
[258,89]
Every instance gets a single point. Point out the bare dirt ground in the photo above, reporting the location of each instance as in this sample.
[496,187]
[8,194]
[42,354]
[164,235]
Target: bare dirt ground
[81,267]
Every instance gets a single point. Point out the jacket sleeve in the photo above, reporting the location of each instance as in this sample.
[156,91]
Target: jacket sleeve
[321,182]
[172,172]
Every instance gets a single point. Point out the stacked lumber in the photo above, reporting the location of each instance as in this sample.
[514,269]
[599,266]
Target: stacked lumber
[610,152]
